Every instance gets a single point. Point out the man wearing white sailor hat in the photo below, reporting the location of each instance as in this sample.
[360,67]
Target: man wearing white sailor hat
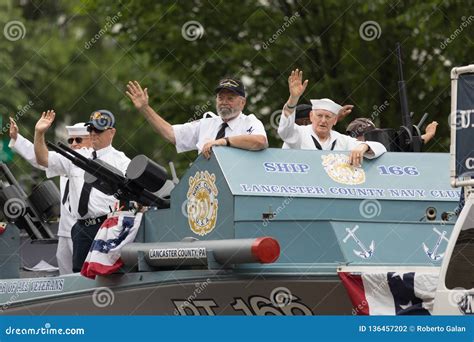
[320,135]
[77,138]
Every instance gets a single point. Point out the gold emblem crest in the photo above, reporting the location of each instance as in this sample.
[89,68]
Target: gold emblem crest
[202,202]
[338,168]
[229,83]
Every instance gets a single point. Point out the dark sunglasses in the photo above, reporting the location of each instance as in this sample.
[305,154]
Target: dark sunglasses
[78,140]
[95,130]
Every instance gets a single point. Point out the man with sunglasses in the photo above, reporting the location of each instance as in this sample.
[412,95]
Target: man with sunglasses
[78,142]
[78,138]
[89,206]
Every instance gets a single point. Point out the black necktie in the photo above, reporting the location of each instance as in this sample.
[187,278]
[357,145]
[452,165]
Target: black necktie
[66,192]
[221,132]
[318,145]
[85,194]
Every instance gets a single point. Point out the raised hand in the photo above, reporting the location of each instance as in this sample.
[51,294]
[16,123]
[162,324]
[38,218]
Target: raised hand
[431,129]
[138,95]
[13,129]
[296,84]
[430,132]
[345,111]
[45,121]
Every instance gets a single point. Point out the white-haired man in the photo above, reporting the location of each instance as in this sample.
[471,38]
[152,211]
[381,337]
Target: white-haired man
[319,135]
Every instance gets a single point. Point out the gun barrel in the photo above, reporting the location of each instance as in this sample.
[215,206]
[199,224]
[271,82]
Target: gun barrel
[149,199]
[101,175]
[422,121]
[19,208]
[406,118]
[88,165]
[10,178]
[399,62]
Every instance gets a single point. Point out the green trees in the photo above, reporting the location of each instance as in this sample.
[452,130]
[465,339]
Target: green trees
[77,56]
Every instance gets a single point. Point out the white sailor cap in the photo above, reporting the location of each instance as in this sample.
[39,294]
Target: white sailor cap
[77,129]
[326,104]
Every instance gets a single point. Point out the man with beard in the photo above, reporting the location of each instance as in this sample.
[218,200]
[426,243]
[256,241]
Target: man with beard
[230,128]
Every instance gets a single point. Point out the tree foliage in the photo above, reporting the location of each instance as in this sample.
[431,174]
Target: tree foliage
[75,58]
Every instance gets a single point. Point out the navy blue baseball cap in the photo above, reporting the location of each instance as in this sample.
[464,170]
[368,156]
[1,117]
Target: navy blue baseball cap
[232,84]
[101,119]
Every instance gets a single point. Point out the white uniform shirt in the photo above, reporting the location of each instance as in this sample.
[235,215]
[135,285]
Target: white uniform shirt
[66,221]
[99,203]
[193,135]
[301,137]
[26,150]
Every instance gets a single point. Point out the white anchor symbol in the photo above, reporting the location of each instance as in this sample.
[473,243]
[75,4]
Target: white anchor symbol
[432,254]
[365,253]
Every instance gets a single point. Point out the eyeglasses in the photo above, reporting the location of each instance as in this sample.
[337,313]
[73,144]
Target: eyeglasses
[78,140]
[95,130]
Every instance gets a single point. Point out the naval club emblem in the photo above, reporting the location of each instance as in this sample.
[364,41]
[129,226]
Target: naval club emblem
[202,202]
[338,168]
